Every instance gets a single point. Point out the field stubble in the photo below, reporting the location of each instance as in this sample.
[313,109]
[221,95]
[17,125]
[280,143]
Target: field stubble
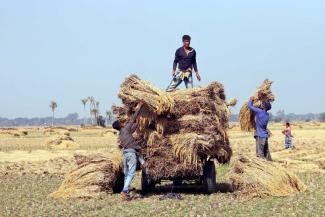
[26,193]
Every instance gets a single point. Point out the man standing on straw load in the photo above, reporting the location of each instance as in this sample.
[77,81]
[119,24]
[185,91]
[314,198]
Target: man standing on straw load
[130,149]
[185,57]
[261,134]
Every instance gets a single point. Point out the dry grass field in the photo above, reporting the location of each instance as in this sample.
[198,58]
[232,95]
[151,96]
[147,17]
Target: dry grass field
[30,171]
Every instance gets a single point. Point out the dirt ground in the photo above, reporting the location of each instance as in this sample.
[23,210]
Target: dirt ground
[29,171]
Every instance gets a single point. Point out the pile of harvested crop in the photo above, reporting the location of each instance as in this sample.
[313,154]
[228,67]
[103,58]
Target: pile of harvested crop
[96,175]
[16,132]
[258,177]
[246,116]
[62,142]
[184,127]
[110,133]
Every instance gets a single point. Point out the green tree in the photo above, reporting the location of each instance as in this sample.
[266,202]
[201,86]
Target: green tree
[53,106]
[109,116]
[322,117]
[92,101]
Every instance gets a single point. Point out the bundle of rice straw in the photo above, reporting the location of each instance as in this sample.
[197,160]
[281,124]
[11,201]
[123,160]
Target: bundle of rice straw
[184,127]
[246,116]
[95,176]
[257,177]
[133,89]
[62,142]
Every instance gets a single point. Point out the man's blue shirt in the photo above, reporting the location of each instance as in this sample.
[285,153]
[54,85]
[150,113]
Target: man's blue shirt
[262,119]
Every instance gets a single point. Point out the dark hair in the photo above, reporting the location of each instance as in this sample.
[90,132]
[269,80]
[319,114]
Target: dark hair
[267,105]
[116,125]
[186,38]
[288,124]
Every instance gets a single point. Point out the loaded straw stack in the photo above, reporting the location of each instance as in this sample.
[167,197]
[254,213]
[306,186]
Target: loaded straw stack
[180,129]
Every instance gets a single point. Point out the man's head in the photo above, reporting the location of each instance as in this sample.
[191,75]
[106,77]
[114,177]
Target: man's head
[186,40]
[116,125]
[288,124]
[266,105]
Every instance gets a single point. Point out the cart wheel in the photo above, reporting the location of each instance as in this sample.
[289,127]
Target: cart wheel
[209,177]
[147,184]
[119,183]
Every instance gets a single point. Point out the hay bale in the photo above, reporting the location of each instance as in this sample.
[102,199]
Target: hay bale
[184,127]
[110,133]
[95,176]
[171,166]
[258,177]
[15,132]
[246,116]
[133,89]
[62,142]
[232,102]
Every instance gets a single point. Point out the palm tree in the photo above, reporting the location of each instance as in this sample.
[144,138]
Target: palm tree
[53,106]
[84,102]
[91,100]
[109,116]
[95,112]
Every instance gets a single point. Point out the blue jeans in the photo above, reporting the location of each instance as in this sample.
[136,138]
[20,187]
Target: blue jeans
[177,81]
[130,165]
[288,142]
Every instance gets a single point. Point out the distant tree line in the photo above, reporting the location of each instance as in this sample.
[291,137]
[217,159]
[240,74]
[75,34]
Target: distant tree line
[96,119]
[281,116]
[71,119]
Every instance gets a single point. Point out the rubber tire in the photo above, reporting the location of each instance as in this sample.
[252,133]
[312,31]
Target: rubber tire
[147,184]
[209,177]
[119,183]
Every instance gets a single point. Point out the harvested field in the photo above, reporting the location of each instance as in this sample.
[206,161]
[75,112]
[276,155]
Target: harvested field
[22,194]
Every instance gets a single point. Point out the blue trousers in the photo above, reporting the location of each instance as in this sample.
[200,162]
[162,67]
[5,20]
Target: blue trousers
[130,165]
[177,81]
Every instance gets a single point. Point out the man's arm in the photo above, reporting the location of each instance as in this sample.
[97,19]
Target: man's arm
[195,67]
[175,62]
[131,125]
[253,108]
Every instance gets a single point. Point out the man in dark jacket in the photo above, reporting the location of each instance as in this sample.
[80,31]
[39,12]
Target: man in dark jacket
[130,148]
[185,58]
[262,118]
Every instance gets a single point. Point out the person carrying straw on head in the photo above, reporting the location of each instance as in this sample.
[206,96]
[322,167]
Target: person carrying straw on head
[262,118]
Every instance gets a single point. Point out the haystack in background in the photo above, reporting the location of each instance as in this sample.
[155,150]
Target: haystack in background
[246,116]
[258,177]
[182,128]
[95,176]
[58,130]
[62,142]
[70,129]
[110,133]
[16,132]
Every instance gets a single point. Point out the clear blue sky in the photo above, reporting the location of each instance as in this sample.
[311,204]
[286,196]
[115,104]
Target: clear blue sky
[66,50]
